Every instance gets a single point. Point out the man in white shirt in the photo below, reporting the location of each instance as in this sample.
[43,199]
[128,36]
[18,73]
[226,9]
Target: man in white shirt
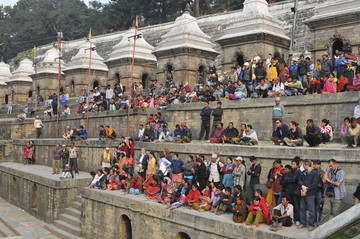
[141,133]
[278,88]
[38,126]
[282,214]
[215,169]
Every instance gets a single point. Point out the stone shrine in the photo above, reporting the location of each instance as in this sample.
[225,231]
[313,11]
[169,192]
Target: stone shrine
[120,60]
[255,31]
[77,71]
[185,51]
[20,83]
[45,78]
[4,77]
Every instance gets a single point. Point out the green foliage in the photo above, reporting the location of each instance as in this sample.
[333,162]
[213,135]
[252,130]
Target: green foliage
[36,22]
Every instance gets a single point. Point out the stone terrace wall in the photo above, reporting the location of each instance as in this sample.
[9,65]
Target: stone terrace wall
[52,196]
[149,219]
[334,107]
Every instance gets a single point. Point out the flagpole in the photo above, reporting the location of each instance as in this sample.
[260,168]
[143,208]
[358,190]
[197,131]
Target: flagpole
[58,91]
[132,72]
[91,48]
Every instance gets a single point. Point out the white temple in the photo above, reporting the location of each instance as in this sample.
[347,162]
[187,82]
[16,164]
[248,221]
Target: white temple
[50,63]
[4,73]
[23,72]
[82,59]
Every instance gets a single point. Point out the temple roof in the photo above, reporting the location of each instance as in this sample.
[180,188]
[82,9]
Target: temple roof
[50,63]
[23,72]
[185,32]
[125,48]
[82,59]
[4,73]
[255,19]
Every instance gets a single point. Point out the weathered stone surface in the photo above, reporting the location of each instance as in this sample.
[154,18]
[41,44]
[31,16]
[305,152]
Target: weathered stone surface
[150,219]
[35,189]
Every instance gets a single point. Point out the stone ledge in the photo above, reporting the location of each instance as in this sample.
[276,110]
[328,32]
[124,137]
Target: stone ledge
[43,175]
[213,226]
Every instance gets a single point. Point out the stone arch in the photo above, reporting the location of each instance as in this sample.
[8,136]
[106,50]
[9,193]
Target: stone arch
[182,235]
[145,79]
[337,37]
[72,86]
[96,84]
[238,58]
[201,69]
[124,230]
[6,99]
[13,192]
[337,45]
[34,197]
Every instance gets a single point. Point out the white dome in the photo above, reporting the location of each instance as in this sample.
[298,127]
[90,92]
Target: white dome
[4,73]
[50,64]
[82,59]
[23,71]
[125,48]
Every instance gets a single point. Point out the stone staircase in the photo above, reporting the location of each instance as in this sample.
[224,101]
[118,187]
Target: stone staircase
[68,226]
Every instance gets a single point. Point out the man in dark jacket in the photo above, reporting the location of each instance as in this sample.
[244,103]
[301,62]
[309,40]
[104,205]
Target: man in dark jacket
[326,66]
[217,113]
[313,134]
[254,171]
[148,134]
[64,156]
[303,69]
[229,133]
[308,182]
[102,132]
[291,181]
[281,131]
[186,134]
[205,121]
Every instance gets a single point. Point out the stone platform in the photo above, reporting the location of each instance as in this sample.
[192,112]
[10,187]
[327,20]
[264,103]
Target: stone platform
[129,214]
[36,190]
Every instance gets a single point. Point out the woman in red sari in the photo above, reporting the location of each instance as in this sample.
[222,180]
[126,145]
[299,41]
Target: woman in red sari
[25,150]
[153,189]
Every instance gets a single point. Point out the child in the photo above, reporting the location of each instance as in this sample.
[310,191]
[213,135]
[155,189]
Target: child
[67,173]
[217,198]
[225,202]
[239,210]
[258,213]
[92,173]
[131,185]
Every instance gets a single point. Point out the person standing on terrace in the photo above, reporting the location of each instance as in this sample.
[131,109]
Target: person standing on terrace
[278,112]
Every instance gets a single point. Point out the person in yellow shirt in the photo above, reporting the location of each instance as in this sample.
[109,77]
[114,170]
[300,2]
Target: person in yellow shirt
[273,70]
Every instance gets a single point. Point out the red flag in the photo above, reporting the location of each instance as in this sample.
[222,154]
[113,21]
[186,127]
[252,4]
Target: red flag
[58,46]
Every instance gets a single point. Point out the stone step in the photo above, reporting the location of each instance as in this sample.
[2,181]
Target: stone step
[75,221]
[78,198]
[76,205]
[59,232]
[74,230]
[73,212]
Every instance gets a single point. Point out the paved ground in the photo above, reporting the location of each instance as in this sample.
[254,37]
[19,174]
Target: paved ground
[16,223]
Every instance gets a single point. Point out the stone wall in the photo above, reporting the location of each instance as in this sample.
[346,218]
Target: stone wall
[37,194]
[334,107]
[110,214]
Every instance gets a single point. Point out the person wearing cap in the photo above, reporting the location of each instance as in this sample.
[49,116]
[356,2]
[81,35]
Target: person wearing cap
[106,158]
[278,112]
[327,65]
[64,156]
[38,126]
[341,65]
[56,161]
[347,47]
[278,88]
[273,70]
[214,169]
[239,173]
[186,134]
[166,134]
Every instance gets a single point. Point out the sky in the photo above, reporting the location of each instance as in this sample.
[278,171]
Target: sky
[12,2]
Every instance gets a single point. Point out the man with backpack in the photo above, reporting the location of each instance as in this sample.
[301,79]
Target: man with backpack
[214,169]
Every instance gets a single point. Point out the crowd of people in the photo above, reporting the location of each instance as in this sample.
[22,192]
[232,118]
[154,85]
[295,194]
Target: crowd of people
[220,186]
